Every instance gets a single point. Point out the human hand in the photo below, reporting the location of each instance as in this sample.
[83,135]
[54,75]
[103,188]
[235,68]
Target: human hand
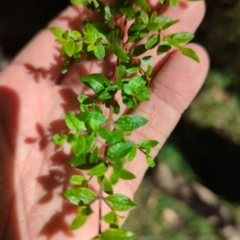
[33,99]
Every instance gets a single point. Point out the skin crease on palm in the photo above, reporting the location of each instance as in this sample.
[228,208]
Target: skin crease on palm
[33,98]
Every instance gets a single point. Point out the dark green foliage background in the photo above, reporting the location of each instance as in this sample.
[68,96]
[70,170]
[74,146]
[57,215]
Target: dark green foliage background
[206,142]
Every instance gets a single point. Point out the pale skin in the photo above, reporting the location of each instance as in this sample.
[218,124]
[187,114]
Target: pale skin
[33,98]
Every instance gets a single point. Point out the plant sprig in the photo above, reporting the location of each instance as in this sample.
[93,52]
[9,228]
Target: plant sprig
[132,78]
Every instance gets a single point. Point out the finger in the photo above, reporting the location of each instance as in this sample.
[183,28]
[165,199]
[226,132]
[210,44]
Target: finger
[42,56]
[172,91]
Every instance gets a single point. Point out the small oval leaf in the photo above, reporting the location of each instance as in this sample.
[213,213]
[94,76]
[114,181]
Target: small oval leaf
[120,202]
[117,234]
[78,195]
[69,48]
[130,122]
[59,138]
[120,150]
[98,170]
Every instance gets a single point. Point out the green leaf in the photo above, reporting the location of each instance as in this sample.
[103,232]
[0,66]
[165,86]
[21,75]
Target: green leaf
[130,122]
[105,134]
[147,144]
[59,138]
[117,166]
[94,125]
[98,170]
[78,221]
[165,22]
[81,98]
[107,186]
[138,50]
[117,234]
[190,53]
[119,52]
[129,11]
[78,161]
[96,3]
[66,35]
[77,57]
[91,47]
[109,136]
[58,32]
[136,27]
[79,195]
[136,87]
[144,17]
[82,144]
[143,4]
[173,2]
[153,16]
[163,49]
[154,26]
[99,52]
[77,2]
[126,175]
[108,92]
[120,202]
[120,150]
[94,156]
[78,180]
[129,101]
[90,141]
[172,42]
[183,37]
[121,71]
[98,29]
[150,161]
[152,41]
[74,123]
[115,34]
[149,70]
[76,35]
[65,66]
[87,116]
[84,161]
[169,24]
[117,135]
[69,48]
[114,177]
[132,69]
[90,38]
[78,144]
[131,155]
[95,81]
[81,217]
[116,107]
[107,14]
[145,61]
[110,218]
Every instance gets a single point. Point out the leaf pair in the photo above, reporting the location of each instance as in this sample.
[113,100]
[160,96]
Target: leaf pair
[72,45]
[136,90]
[144,24]
[176,40]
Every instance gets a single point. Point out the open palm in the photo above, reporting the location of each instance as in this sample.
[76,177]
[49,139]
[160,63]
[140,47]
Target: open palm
[33,99]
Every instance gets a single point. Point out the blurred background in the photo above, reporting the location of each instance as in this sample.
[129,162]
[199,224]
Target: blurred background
[194,191]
